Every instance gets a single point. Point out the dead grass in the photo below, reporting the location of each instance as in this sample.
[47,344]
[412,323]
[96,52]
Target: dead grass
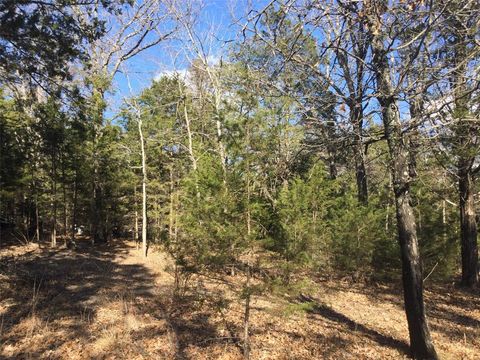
[109,303]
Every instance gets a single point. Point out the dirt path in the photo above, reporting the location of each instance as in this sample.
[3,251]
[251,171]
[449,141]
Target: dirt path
[108,303]
[81,304]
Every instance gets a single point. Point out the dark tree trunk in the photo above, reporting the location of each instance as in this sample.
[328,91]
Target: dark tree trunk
[361,176]
[74,208]
[420,341]
[97,220]
[332,149]
[465,146]
[353,73]
[53,234]
[332,168]
[359,154]
[468,229]
[37,221]
[246,318]
[421,344]
[64,192]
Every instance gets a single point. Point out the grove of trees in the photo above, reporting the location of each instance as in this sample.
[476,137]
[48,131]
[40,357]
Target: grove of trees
[330,137]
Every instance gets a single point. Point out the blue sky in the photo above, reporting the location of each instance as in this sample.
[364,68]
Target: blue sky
[172,55]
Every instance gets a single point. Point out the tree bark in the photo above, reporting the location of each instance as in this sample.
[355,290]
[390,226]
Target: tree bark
[421,345]
[332,150]
[37,220]
[97,212]
[464,132]
[353,72]
[64,193]
[360,170]
[74,207]
[468,229]
[53,233]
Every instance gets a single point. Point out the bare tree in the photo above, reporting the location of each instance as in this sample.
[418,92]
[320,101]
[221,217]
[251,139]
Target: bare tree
[380,20]
[368,55]
[454,115]
[138,117]
[462,17]
[137,28]
[342,46]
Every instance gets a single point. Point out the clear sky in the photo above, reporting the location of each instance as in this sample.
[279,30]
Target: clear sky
[215,18]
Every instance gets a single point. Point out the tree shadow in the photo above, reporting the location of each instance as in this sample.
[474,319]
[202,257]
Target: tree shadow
[60,291]
[445,303]
[354,326]
[191,318]
[66,293]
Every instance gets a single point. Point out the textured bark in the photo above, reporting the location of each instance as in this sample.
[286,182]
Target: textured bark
[421,345]
[359,155]
[468,230]
[353,73]
[465,129]
[37,221]
[171,215]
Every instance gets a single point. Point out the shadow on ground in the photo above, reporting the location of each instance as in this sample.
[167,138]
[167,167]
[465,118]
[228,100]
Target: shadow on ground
[55,286]
[60,292]
[104,301]
[349,325]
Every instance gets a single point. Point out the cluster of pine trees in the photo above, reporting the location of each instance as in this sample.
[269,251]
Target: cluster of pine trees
[333,137]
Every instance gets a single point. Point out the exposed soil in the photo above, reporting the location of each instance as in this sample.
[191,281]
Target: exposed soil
[107,302]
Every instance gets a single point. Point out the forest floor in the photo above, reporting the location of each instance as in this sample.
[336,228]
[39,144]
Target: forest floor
[107,302]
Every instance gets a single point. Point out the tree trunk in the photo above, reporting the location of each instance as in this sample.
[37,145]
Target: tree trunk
[37,211]
[246,318]
[360,170]
[171,211]
[190,145]
[421,344]
[97,220]
[331,150]
[468,229]
[135,225]
[353,73]
[144,191]
[189,136]
[64,193]
[53,233]
[444,220]
[465,130]
[74,208]
[37,220]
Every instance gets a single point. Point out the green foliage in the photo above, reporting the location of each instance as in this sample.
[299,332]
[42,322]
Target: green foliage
[41,38]
[212,232]
[238,160]
[437,231]
[303,207]
[325,228]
